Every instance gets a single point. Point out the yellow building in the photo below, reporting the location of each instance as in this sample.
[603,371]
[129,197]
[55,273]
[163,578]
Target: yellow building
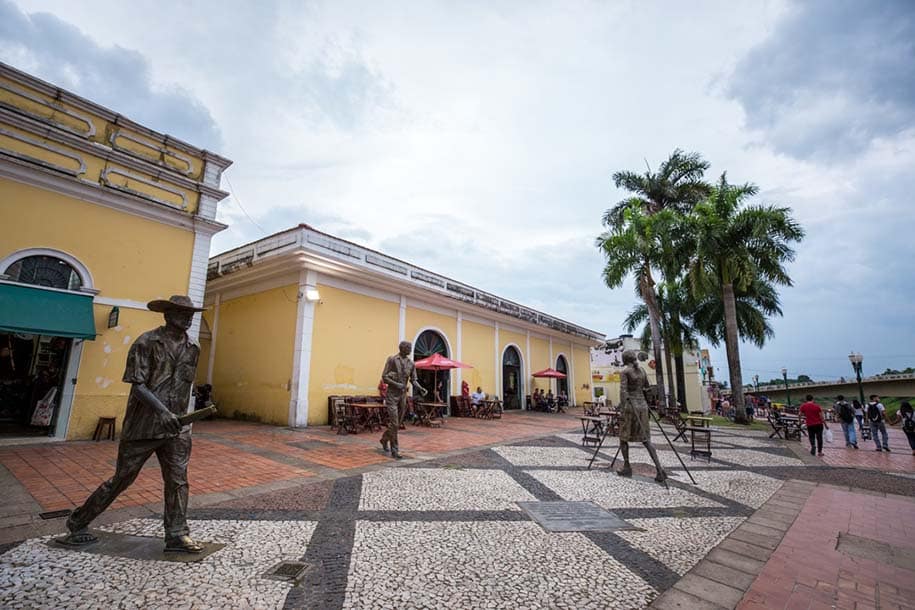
[99,215]
[606,366]
[302,315]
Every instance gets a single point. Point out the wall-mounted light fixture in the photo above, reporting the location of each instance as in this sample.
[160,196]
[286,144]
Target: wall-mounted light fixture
[311,293]
[113,316]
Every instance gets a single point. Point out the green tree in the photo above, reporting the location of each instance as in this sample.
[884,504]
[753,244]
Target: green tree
[676,186]
[736,244]
[754,304]
[677,331]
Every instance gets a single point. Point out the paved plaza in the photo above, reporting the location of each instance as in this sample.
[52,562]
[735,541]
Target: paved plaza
[765,525]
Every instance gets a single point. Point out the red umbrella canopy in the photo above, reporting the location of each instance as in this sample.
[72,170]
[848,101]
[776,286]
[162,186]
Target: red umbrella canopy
[549,373]
[437,362]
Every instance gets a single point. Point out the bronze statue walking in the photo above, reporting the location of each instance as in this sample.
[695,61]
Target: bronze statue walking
[634,422]
[398,371]
[161,366]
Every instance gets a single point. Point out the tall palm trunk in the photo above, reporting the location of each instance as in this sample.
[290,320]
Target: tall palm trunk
[733,351]
[681,381]
[668,362]
[646,287]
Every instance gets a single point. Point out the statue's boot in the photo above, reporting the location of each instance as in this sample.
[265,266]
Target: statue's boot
[395,452]
[625,471]
[79,537]
[384,445]
[661,475]
[182,544]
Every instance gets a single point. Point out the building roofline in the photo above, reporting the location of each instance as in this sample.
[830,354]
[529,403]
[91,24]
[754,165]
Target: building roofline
[355,254]
[63,95]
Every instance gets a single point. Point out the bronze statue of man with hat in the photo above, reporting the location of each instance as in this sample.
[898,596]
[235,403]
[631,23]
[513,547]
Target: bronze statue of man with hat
[161,366]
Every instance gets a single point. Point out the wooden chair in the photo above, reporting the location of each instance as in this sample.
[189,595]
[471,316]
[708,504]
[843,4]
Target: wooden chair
[779,428]
[104,427]
[343,420]
[680,424]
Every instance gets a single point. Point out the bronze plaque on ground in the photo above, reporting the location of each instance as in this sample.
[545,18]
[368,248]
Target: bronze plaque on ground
[574,517]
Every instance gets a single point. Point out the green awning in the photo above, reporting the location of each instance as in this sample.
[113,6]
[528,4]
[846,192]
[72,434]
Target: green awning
[37,311]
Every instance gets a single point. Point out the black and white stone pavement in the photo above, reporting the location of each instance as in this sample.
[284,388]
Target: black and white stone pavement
[446,533]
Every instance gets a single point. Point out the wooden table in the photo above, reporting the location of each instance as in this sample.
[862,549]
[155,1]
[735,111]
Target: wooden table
[429,413]
[699,421]
[368,416]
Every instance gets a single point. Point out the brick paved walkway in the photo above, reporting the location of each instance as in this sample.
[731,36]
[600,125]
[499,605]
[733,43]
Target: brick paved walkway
[231,456]
[845,550]
[899,459]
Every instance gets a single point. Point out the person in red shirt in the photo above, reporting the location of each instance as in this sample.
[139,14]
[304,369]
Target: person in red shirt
[813,417]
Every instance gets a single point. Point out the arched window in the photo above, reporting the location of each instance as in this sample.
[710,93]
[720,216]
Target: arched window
[512,385]
[429,342]
[48,271]
[562,385]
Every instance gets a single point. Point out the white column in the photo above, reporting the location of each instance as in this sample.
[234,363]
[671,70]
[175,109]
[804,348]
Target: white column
[301,357]
[497,373]
[198,277]
[552,362]
[571,373]
[402,322]
[527,365]
[213,332]
[459,376]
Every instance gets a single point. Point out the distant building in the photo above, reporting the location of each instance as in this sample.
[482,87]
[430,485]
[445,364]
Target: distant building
[606,365]
[99,215]
[303,315]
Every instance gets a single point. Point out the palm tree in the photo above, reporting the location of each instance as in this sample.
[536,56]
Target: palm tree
[677,330]
[735,246]
[676,187]
[754,305]
[631,247]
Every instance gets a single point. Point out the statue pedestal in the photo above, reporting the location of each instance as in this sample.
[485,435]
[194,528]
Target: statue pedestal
[137,547]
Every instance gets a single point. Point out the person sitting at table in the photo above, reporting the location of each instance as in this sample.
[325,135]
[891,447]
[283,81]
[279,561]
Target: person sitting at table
[550,400]
[477,397]
[437,395]
[465,389]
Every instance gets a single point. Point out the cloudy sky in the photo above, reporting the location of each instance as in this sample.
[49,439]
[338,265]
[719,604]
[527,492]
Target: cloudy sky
[478,139]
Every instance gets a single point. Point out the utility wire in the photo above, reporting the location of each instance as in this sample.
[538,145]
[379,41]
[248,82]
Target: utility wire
[236,199]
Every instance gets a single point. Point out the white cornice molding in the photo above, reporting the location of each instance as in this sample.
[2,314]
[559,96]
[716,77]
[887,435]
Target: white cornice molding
[40,129]
[82,103]
[90,192]
[337,257]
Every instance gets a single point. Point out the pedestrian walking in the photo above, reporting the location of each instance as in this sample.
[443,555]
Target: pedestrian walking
[906,415]
[813,417]
[876,417]
[859,414]
[845,413]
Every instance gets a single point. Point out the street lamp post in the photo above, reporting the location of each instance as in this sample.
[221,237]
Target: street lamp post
[856,359]
[756,381]
[787,391]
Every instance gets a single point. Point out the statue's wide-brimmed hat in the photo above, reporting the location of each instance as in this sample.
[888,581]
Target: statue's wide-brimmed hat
[176,302]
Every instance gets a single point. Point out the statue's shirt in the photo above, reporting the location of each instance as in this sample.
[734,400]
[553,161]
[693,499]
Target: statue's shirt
[167,367]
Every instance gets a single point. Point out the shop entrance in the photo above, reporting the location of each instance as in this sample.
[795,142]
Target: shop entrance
[46,312]
[438,383]
[32,371]
[511,378]
[562,385]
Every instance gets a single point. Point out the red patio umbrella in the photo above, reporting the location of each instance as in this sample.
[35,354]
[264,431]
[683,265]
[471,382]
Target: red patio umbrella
[437,362]
[553,373]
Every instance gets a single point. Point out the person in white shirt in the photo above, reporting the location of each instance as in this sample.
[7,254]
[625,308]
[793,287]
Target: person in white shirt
[477,397]
[876,416]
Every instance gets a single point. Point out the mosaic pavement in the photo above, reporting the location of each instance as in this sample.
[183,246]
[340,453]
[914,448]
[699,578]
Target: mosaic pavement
[446,533]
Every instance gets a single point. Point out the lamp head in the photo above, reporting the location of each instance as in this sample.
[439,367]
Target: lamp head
[784,372]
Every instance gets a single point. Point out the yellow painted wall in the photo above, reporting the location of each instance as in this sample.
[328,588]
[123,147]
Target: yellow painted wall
[254,350]
[418,319]
[353,335]
[540,359]
[580,362]
[477,345]
[129,258]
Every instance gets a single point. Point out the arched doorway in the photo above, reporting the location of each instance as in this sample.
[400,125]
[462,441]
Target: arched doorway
[40,341]
[427,343]
[512,389]
[562,385]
